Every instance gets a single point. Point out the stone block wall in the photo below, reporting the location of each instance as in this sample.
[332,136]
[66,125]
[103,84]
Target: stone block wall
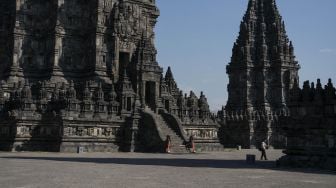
[311,128]
[250,129]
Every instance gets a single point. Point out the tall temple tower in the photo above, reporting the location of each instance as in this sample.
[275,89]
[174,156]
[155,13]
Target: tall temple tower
[263,66]
[261,73]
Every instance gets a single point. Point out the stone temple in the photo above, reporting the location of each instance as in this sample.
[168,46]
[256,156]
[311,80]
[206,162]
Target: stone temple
[265,101]
[261,73]
[83,73]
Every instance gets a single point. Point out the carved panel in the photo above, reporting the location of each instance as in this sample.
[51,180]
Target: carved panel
[102,132]
[202,133]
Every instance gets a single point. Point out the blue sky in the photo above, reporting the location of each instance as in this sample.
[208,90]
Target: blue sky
[195,38]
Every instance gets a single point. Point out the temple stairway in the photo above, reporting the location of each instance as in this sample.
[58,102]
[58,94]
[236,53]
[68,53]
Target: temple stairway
[164,130]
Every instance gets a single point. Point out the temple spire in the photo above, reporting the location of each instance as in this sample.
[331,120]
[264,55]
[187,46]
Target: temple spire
[262,46]
[262,21]
[169,74]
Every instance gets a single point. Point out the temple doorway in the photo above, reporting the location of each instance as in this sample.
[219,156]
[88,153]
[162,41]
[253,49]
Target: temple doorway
[167,105]
[150,94]
[124,59]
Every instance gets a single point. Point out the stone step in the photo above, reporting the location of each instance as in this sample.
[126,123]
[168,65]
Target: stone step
[176,140]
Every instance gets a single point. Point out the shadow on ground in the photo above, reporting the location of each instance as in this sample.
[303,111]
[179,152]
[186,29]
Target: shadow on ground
[176,162]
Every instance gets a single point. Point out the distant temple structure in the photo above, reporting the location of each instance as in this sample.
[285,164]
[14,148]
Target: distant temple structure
[262,71]
[265,101]
[83,74]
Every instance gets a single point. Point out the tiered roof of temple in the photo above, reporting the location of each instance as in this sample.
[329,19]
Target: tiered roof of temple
[263,65]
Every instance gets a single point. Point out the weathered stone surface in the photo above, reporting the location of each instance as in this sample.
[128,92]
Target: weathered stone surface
[311,130]
[81,74]
[261,72]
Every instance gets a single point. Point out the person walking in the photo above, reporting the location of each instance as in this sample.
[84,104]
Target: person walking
[263,150]
[168,144]
[192,144]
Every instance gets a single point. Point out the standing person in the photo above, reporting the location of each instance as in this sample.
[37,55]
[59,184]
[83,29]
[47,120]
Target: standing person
[192,144]
[168,144]
[263,150]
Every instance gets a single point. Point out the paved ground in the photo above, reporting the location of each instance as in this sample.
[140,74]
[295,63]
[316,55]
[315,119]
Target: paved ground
[226,169]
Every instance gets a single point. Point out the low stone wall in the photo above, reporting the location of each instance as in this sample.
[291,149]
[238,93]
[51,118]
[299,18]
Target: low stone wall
[29,134]
[93,146]
[205,136]
[209,147]
[63,135]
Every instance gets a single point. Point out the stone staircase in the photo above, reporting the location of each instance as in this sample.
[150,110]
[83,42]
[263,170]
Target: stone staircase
[164,130]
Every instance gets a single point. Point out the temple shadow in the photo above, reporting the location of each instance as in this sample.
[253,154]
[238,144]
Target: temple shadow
[177,162]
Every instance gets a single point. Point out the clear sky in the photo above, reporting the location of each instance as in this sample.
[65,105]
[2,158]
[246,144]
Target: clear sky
[195,38]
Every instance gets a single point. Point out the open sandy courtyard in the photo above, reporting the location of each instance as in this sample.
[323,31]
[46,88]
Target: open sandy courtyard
[225,169]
